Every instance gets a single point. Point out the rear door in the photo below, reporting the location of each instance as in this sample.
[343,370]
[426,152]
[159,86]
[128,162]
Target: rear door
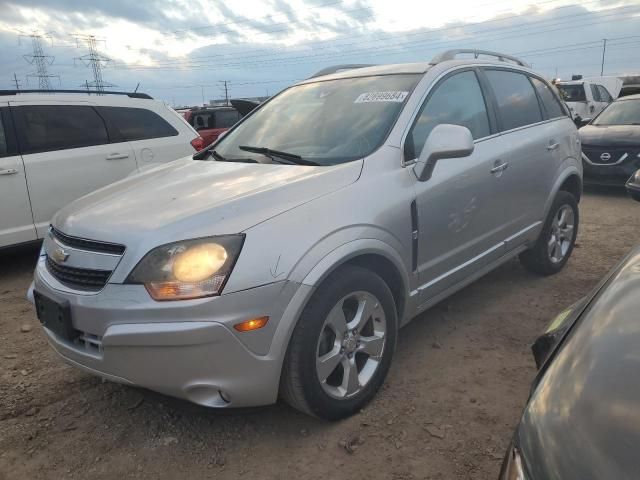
[16,221]
[66,154]
[599,102]
[531,144]
[153,138]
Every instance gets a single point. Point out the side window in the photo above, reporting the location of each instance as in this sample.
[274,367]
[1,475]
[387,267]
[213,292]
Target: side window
[549,100]
[44,128]
[517,102]
[595,93]
[202,121]
[457,100]
[604,94]
[138,123]
[226,118]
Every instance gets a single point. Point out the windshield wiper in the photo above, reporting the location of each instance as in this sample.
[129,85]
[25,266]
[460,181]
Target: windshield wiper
[279,156]
[205,153]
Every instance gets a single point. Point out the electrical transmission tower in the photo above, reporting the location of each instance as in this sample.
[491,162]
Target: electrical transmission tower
[94,60]
[41,62]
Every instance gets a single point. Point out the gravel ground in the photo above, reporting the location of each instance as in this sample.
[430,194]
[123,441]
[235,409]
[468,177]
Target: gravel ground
[454,393]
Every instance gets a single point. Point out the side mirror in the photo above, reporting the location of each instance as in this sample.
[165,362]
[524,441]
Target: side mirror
[444,141]
[584,121]
[633,186]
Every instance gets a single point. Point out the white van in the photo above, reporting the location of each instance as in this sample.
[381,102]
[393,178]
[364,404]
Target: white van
[56,147]
[587,97]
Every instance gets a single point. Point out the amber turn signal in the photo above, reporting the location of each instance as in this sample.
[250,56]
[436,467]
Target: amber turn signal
[253,324]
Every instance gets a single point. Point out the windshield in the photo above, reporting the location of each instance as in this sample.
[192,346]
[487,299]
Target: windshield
[325,122]
[572,93]
[624,112]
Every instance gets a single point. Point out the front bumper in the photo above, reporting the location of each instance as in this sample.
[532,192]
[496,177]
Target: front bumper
[187,349]
[614,175]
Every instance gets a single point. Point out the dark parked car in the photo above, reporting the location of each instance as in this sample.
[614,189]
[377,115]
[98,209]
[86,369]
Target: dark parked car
[611,143]
[582,420]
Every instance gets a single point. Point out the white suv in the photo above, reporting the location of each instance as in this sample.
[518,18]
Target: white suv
[56,147]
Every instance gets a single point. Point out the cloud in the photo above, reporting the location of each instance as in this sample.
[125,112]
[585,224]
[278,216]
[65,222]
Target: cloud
[192,43]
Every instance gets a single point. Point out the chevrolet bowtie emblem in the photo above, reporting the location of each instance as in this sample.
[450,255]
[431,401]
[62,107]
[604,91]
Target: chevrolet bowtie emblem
[59,255]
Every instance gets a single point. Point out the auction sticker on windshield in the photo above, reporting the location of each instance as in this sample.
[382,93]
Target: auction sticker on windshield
[371,97]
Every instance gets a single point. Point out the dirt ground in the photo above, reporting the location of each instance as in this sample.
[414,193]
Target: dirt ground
[447,410]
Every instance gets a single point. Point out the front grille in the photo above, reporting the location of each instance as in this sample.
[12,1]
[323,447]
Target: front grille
[90,245]
[78,278]
[616,155]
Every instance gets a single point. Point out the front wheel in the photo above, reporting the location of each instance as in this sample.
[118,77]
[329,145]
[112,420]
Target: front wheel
[341,348]
[557,239]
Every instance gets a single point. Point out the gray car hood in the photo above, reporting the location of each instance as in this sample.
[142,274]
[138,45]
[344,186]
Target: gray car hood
[189,199]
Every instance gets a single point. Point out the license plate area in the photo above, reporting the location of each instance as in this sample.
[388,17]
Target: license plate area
[55,316]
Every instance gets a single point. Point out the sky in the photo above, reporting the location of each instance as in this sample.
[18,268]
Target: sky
[183,51]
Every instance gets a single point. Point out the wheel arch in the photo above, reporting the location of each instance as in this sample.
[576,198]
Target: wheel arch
[373,255]
[569,180]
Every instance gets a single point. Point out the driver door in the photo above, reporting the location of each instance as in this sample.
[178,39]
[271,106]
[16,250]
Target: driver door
[461,216]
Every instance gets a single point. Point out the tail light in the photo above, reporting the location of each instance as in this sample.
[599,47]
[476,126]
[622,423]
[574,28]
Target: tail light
[198,143]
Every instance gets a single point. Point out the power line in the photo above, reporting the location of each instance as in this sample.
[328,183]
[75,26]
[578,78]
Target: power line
[41,62]
[393,49]
[95,60]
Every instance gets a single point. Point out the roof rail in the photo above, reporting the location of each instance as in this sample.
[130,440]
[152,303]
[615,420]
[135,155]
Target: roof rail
[451,55]
[339,68]
[86,92]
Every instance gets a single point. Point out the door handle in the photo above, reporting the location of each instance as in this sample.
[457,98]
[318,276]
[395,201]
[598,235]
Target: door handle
[117,156]
[553,146]
[500,168]
[8,171]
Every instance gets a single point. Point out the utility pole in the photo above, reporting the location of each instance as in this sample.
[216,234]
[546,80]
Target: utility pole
[202,92]
[41,61]
[604,50]
[15,80]
[94,60]
[226,94]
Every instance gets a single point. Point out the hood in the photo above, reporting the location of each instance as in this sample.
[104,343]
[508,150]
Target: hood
[610,135]
[190,198]
[582,419]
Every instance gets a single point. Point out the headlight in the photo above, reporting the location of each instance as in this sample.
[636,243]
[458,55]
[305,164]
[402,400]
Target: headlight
[188,269]
[512,466]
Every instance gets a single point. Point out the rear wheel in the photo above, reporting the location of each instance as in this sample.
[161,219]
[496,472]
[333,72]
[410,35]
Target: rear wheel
[341,348]
[557,239]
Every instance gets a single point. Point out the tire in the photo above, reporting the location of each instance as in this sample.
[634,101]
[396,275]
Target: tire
[319,341]
[545,258]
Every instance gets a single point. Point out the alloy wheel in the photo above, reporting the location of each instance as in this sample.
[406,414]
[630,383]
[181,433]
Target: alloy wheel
[351,345]
[561,234]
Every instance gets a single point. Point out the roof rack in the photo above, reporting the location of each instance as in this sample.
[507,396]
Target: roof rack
[451,55]
[340,68]
[86,92]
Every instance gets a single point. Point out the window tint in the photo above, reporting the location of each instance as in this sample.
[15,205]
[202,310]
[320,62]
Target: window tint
[549,100]
[595,93]
[3,140]
[457,100]
[138,123]
[226,118]
[58,127]
[517,102]
[604,94]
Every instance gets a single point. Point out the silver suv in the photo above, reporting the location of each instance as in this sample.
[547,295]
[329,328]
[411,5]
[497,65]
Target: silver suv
[284,258]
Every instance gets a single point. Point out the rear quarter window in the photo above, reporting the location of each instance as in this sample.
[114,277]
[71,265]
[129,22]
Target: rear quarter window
[138,123]
[517,101]
[549,99]
[43,128]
